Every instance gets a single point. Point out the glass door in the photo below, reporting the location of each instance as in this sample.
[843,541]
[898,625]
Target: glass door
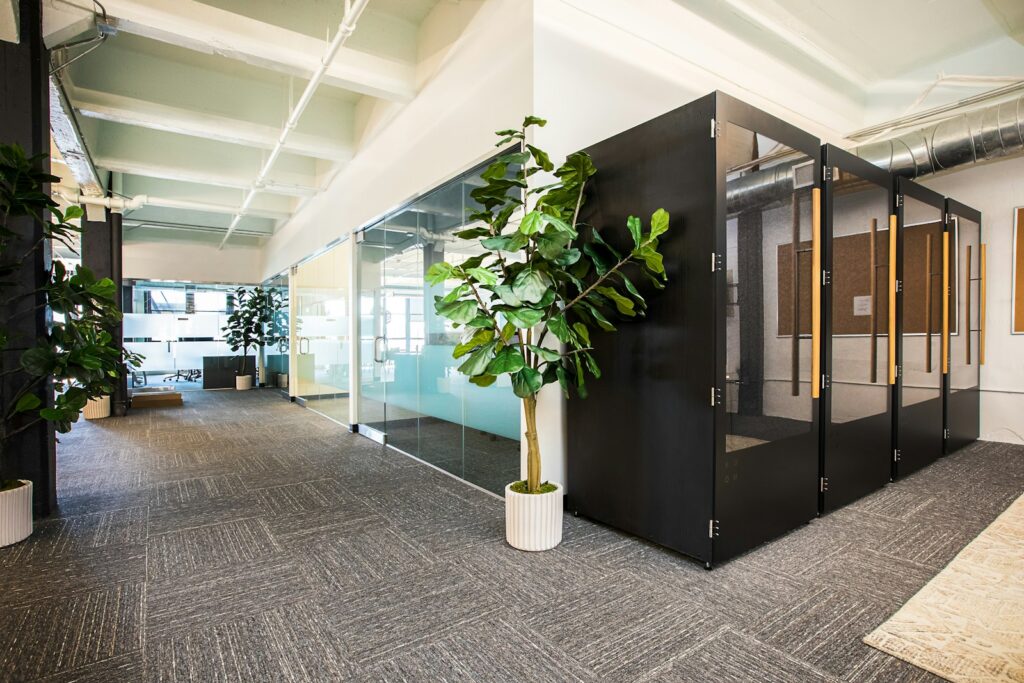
[962,355]
[858,422]
[919,424]
[371,407]
[322,332]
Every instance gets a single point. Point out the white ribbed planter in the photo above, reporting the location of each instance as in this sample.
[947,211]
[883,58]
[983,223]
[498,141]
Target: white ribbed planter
[97,408]
[16,514]
[533,521]
[243,382]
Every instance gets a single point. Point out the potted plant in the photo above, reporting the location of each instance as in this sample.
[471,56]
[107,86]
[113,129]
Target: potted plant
[531,302]
[77,354]
[250,327]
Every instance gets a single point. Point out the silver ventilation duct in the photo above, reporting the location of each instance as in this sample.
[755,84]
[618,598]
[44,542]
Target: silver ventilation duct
[970,138]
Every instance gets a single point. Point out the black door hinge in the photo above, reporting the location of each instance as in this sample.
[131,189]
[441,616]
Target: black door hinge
[713,528]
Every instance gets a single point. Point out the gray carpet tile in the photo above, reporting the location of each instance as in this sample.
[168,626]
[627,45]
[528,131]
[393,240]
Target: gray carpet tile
[46,636]
[180,553]
[240,537]
[291,643]
[222,594]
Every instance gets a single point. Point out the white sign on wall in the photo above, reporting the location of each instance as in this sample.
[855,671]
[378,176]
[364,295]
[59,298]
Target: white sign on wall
[862,305]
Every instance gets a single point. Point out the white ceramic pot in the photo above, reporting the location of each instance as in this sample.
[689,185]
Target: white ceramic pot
[243,382]
[533,521]
[97,408]
[16,514]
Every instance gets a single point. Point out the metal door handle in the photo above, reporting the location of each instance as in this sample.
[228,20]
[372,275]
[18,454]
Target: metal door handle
[377,357]
[984,294]
[301,340]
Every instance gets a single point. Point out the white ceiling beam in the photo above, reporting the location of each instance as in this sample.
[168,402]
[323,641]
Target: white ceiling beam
[196,26]
[196,175]
[67,137]
[136,112]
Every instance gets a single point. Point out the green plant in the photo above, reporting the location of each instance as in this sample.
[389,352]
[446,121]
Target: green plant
[77,351]
[548,273]
[251,324]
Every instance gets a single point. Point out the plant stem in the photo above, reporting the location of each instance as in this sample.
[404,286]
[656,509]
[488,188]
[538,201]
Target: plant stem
[532,444]
[597,283]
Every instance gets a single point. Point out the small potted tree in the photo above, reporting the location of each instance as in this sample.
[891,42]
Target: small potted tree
[530,303]
[250,327]
[76,359]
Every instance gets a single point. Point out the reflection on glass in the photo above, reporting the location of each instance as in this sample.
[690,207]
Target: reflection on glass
[174,325]
[922,301]
[410,387]
[768,269]
[965,321]
[276,358]
[321,348]
[860,303]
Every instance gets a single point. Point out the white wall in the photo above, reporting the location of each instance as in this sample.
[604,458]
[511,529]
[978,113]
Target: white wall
[995,189]
[192,262]
[478,85]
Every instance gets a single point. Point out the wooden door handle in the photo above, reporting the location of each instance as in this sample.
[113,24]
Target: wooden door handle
[981,311]
[892,299]
[816,275]
[945,303]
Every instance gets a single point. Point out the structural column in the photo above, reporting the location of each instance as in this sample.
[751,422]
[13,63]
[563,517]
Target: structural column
[101,253]
[25,120]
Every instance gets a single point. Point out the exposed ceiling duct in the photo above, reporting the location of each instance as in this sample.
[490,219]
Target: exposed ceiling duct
[992,132]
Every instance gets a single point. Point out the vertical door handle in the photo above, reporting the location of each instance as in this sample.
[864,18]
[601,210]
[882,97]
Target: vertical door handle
[892,299]
[984,294]
[945,303]
[816,292]
[378,356]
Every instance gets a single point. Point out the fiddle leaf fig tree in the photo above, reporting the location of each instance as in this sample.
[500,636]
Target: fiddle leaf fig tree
[544,284]
[251,324]
[77,354]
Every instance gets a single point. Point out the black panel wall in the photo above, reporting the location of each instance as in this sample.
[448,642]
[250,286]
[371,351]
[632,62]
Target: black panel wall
[24,119]
[702,434]
[101,253]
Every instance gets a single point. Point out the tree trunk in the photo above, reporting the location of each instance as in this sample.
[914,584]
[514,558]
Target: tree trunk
[532,445]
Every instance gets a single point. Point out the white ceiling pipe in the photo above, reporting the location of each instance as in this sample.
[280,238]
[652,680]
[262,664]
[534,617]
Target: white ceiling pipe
[348,24]
[120,204]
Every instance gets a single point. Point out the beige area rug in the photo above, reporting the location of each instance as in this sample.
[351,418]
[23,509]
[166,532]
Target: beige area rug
[967,624]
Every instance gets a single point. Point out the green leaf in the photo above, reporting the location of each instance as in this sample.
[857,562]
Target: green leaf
[457,311]
[483,380]
[478,360]
[549,355]
[583,331]
[472,233]
[631,289]
[523,318]
[527,382]
[27,402]
[567,257]
[622,304]
[659,222]
[481,321]
[74,211]
[600,264]
[652,259]
[509,243]
[483,276]
[439,272]
[602,321]
[534,121]
[506,294]
[560,328]
[636,229]
[532,222]
[552,245]
[530,285]
[481,336]
[506,360]
[541,157]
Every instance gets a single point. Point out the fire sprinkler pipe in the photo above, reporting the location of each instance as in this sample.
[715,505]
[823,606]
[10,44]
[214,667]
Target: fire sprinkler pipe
[348,25]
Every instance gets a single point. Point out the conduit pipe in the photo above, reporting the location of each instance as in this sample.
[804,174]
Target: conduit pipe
[347,26]
[973,137]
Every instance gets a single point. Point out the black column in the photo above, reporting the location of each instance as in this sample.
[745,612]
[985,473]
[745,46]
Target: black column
[25,120]
[101,253]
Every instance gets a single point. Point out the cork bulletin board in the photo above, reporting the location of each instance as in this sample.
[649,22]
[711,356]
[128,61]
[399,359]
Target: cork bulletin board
[1018,271]
[851,281]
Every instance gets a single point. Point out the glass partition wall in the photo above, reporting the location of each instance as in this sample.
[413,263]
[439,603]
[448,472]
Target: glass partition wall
[174,325]
[411,394]
[320,352]
[276,358]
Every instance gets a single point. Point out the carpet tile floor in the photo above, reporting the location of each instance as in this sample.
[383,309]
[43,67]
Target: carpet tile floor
[243,538]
